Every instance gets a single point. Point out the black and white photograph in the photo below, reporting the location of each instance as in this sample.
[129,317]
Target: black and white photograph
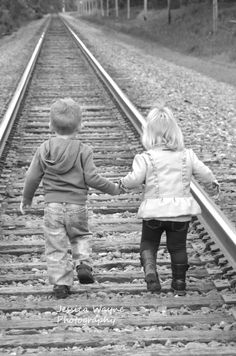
[118,177]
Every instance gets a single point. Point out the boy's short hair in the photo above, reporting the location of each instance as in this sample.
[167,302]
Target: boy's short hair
[65,116]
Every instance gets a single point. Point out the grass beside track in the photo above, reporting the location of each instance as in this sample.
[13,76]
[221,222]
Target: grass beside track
[190,31]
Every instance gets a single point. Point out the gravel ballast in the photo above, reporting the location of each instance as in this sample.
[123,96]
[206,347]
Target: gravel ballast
[204,106]
[15,51]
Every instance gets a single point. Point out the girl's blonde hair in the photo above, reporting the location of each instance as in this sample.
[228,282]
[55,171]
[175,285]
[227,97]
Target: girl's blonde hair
[162,129]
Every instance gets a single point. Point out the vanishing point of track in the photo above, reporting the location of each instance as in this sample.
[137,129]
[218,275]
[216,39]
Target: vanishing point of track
[115,315]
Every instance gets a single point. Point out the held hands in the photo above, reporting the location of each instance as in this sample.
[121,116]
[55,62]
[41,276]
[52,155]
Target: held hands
[25,204]
[120,189]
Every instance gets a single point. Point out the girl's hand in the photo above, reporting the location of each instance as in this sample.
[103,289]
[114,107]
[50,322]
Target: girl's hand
[122,188]
[216,186]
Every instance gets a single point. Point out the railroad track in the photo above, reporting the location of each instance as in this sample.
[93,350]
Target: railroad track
[116,314]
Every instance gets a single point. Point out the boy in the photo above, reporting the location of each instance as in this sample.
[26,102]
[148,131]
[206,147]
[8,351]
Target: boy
[66,168]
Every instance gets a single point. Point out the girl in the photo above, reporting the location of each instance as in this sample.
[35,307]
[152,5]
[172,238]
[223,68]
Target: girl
[165,169]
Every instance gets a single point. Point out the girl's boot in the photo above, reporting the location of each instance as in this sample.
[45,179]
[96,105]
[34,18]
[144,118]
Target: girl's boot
[178,278]
[148,261]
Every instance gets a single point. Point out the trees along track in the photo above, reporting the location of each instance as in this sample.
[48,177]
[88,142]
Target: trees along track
[116,314]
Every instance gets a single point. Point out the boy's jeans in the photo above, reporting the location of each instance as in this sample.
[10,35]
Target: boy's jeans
[64,223]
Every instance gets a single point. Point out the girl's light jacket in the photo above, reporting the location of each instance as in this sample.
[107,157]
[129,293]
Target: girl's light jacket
[166,176]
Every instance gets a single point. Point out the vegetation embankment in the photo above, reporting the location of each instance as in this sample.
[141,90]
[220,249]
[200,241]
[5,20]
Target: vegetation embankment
[190,31]
[15,13]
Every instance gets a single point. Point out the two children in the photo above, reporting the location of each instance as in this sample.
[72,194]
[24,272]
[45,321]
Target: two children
[66,168]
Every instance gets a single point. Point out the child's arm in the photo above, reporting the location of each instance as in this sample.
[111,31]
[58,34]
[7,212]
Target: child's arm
[202,172]
[24,204]
[94,180]
[32,180]
[138,174]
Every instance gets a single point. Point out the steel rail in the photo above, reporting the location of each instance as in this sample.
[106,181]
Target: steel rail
[212,218]
[216,224]
[10,115]
[125,104]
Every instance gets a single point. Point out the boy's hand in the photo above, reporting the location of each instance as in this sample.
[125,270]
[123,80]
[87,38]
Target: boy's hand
[123,189]
[117,191]
[25,204]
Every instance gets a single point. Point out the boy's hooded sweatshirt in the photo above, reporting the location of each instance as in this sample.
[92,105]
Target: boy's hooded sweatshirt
[67,169]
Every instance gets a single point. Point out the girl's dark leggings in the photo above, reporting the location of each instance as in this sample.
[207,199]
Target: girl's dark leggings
[176,236]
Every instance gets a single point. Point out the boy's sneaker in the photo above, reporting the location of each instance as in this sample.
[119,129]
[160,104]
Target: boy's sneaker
[61,291]
[84,273]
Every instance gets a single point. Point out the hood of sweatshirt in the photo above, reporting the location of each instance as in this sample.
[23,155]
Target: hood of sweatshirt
[59,155]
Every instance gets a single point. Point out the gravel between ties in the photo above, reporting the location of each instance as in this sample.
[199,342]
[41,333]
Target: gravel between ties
[199,102]
[14,54]
[203,106]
